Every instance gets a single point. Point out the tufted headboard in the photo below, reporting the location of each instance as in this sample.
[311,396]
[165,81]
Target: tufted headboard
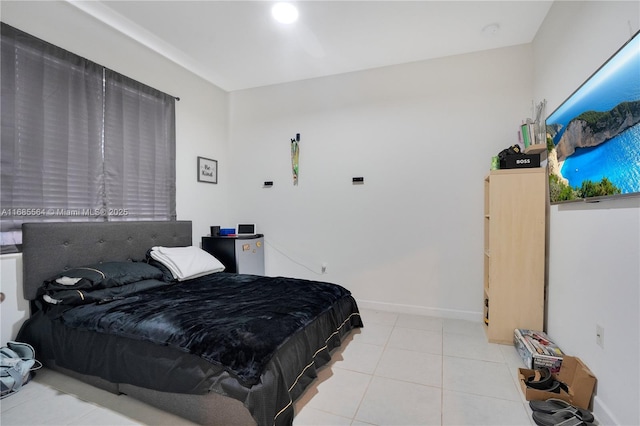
[49,248]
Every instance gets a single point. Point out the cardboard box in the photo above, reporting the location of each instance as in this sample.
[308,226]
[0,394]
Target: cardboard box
[537,350]
[579,379]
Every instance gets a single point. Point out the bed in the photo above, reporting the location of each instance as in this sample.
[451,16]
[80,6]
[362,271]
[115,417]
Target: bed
[221,349]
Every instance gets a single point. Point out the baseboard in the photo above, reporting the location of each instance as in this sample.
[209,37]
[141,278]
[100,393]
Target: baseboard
[420,310]
[603,415]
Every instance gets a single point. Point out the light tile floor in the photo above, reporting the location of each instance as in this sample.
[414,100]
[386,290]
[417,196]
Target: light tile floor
[398,370]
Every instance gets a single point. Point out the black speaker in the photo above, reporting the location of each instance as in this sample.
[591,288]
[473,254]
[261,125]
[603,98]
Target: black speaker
[215,231]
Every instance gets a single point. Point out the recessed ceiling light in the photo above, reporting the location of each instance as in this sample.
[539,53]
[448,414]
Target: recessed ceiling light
[285,13]
[491,29]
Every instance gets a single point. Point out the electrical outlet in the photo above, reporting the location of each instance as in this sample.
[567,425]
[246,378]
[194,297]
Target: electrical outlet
[324,267]
[600,335]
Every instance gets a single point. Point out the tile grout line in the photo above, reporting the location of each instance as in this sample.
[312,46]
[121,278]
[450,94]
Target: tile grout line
[386,343]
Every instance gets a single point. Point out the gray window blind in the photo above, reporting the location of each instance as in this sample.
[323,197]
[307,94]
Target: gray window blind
[139,150]
[79,141]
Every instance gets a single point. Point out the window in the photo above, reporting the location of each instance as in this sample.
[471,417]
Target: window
[79,141]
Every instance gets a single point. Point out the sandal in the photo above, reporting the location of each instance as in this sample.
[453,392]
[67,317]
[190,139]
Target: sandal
[560,418]
[554,405]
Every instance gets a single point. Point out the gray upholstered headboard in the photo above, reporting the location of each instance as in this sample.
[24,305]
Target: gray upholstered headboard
[50,248]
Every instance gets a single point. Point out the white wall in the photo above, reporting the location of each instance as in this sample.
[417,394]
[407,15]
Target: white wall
[594,249]
[201,120]
[422,136]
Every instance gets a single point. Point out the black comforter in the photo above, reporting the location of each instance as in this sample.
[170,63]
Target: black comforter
[237,323]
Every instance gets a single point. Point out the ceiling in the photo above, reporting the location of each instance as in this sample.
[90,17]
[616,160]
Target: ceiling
[237,45]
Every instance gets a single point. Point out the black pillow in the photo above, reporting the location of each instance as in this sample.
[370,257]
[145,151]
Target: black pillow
[103,295]
[103,275]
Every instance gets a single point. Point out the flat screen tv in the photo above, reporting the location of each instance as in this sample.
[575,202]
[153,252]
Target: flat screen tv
[594,136]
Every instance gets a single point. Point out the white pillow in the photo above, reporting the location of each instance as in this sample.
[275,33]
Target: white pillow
[186,262]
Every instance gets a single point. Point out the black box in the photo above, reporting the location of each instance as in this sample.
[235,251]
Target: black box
[520,161]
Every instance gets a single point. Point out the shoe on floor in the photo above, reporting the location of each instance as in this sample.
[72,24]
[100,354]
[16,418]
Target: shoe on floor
[553,405]
[560,418]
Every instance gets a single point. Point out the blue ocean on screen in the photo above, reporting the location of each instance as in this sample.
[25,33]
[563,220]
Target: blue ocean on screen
[617,159]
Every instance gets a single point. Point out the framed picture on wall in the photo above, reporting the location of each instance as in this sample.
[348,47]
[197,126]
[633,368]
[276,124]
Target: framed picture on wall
[207,170]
